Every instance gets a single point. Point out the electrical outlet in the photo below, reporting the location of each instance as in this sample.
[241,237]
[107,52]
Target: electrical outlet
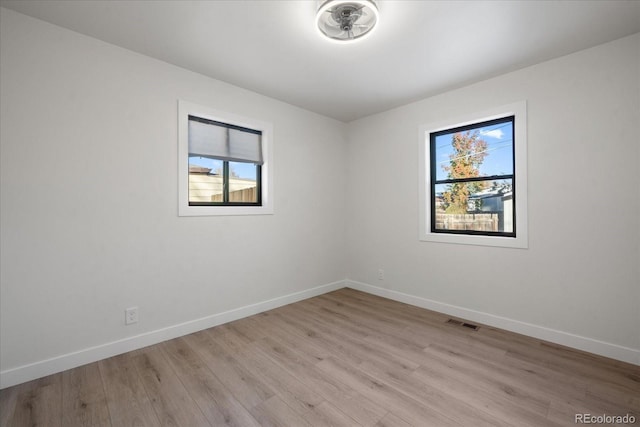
[131,315]
[380,274]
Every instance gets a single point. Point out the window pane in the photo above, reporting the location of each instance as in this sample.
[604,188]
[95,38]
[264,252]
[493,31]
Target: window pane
[205,179]
[476,206]
[243,182]
[481,151]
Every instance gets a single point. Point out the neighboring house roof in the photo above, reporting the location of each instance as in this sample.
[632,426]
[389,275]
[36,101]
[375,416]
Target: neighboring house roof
[491,192]
[199,169]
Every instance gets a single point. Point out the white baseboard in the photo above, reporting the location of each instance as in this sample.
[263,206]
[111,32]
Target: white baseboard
[590,345]
[61,363]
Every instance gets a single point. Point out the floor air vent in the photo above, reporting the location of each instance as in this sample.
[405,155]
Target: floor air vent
[464,324]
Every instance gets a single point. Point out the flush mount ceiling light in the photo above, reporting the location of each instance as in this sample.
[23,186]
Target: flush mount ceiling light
[346,20]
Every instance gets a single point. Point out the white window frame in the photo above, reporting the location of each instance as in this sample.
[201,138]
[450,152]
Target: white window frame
[519,110]
[185,109]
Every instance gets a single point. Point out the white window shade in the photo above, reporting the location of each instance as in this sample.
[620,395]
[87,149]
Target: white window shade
[245,146]
[217,141]
[207,140]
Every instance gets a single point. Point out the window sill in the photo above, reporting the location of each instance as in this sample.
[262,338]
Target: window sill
[463,239]
[224,210]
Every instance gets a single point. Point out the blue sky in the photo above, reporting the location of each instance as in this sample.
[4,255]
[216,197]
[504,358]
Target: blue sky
[498,160]
[243,170]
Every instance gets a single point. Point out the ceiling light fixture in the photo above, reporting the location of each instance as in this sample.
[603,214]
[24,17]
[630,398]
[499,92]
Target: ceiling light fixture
[346,20]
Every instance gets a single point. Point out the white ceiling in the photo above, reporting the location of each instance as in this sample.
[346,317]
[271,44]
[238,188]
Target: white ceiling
[421,48]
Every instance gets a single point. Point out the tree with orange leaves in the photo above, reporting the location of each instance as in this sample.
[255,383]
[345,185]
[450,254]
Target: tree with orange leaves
[468,154]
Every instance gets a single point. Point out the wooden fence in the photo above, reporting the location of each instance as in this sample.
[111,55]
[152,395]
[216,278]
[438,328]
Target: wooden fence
[245,195]
[476,222]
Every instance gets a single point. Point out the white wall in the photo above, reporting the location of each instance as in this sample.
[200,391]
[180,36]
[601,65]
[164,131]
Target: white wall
[579,281]
[89,201]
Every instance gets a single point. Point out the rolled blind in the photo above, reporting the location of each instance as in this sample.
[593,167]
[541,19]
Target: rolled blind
[221,141]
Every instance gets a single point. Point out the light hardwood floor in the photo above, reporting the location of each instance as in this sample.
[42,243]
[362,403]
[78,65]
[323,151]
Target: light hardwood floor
[341,359]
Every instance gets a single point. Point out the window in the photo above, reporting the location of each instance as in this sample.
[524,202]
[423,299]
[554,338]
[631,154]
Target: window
[473,184]
[225,163]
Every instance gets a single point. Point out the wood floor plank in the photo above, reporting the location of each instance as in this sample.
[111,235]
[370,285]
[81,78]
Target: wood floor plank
[296,394]
[420,330]
[387,342]
[374,317]
[171,401]
[274,412]
[249,328]
[127,400]
[392,420]
[8,401]
[327,414]
[538,376]
[338,318]
[617,397]
[214,400]
[481,397]
[530,386]
[231,340]
[83,399]
[299,397]
[571,361]
[247,388]
[453,335]
[39,403]
[343,343]
[385,396]
[380,331]
[381,365]
[348,400]
[506,388]
[304,343]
